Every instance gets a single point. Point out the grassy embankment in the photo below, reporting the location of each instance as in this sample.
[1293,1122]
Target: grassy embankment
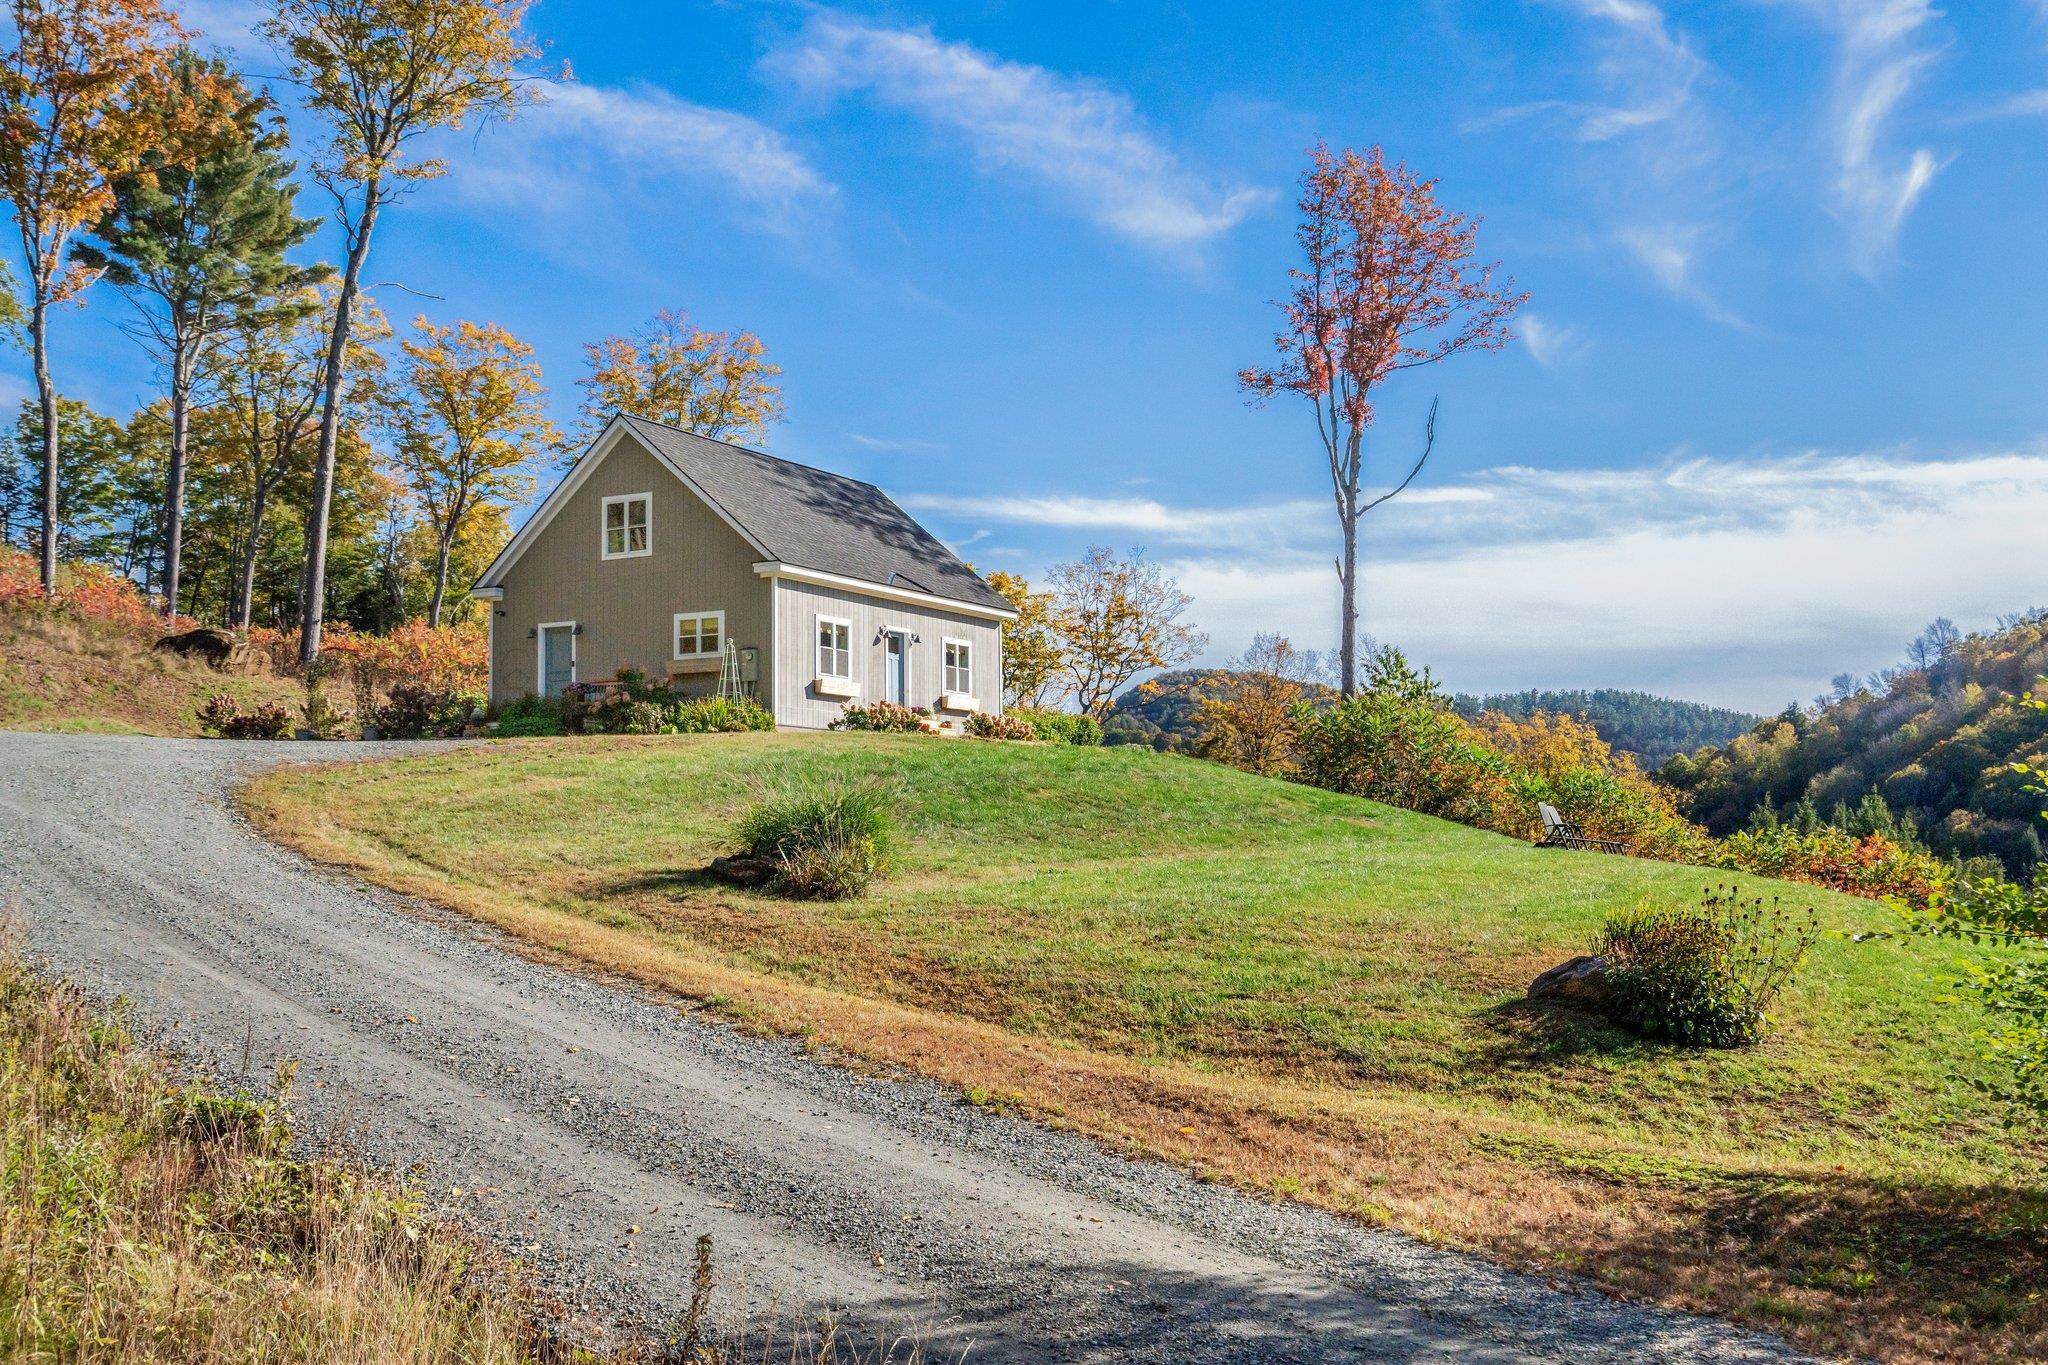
[1297,992]
[144,1218]
[79,674]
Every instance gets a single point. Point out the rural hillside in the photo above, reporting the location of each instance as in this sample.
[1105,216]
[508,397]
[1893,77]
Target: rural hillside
[1163,714]
[1936,739]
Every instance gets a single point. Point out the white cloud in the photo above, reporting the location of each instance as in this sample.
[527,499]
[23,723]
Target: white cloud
[1249,525]
[1078,137]
[1549,343]
[583,145]
[1881,54]
[1648,74]
[1667,254]
[1742,582]
[894,444]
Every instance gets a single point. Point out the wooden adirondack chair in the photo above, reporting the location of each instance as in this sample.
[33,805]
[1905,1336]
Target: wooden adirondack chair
[1559,832]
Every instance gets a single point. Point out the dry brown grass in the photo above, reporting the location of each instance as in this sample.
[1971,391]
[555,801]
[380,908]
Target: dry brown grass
[143,1218]
[1836,1260]
[61,674]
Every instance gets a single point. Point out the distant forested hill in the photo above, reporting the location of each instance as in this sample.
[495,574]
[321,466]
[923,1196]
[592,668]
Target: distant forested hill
[1652,728]
[1933,738]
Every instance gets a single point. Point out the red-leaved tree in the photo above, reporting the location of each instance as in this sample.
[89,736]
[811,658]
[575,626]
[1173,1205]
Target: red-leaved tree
[1387,282]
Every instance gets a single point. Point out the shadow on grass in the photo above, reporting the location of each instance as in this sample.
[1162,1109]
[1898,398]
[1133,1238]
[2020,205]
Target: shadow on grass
[664,882]
[1526,1036]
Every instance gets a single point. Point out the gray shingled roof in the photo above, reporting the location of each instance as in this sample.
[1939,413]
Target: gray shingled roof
[815,519]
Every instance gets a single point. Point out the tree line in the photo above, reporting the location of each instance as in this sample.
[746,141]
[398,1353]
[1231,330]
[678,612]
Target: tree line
[303,458]
[1934,739]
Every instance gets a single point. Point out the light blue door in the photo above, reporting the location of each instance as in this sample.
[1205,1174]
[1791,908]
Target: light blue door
[557,659]
[896,673]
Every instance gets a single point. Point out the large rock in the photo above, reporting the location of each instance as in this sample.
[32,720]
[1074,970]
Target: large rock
[1582,981]
[218,647]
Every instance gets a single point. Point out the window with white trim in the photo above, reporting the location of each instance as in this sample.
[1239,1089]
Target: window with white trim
[835,647]
[628,526]
[960,667]
[699,634]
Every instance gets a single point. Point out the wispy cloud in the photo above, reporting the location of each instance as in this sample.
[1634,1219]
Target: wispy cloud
[1077,137]
[1647,71]
[900,445]
[1882,51]
[1667,254]
[583,145]
[1248,525]
[1548,343]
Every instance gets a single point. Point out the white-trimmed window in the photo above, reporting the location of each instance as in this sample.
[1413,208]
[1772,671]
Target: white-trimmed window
[835,647]
[699,634]
[628,526]
[960,667]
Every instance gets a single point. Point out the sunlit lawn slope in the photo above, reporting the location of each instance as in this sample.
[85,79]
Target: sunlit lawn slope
[1293,990]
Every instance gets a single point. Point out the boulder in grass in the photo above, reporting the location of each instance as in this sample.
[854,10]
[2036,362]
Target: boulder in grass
[217,647]
[1580,982]
[741,870]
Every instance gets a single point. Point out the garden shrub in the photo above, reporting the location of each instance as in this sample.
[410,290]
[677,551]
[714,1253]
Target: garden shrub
[414,712]
[622,714]
[714,715]
[1060,727]
[826,840]
[886,717]
[1702,975]
[982,725]
[223,716]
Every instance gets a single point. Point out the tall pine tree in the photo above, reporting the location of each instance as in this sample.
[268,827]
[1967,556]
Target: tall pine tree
[196,234]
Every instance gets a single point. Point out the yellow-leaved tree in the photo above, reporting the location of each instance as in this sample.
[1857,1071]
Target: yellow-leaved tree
[467,426]
[1114,618]
[382,73]
[1031,652]
[713,383]
[75,110]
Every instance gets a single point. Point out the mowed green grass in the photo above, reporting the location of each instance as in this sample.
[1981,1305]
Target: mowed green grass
[1170,910]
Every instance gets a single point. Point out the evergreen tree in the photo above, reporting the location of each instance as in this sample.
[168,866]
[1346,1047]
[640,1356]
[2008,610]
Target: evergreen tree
[197,231]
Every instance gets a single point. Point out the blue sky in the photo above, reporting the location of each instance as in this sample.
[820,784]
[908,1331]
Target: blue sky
[1775,402]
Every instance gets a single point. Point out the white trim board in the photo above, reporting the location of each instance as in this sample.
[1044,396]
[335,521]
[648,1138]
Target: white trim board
[775,569]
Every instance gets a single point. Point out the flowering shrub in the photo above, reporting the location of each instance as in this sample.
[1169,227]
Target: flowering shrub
[1412,752]
[886,716]
[223,717]
[982,725]
[1704,975]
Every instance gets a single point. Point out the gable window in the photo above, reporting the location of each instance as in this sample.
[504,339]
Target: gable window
[960,667]
[699,634]
[835,647]
[628,526]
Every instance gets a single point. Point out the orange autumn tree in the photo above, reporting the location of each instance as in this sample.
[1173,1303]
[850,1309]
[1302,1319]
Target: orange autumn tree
[1387,282]
[713,383]
[74,113]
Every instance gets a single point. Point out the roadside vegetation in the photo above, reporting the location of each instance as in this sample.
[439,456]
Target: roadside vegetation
[1298,991]
[144,1217]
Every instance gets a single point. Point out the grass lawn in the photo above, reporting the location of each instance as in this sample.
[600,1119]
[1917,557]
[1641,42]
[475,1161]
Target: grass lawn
[1298,992]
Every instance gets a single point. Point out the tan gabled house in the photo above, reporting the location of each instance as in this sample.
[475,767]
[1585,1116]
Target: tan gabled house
[666,551]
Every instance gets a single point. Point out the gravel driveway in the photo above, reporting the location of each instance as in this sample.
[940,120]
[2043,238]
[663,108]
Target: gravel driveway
[569,1111]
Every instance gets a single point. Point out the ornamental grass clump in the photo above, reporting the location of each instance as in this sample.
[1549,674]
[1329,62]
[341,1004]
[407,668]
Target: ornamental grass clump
[825,841]
[1703,975]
